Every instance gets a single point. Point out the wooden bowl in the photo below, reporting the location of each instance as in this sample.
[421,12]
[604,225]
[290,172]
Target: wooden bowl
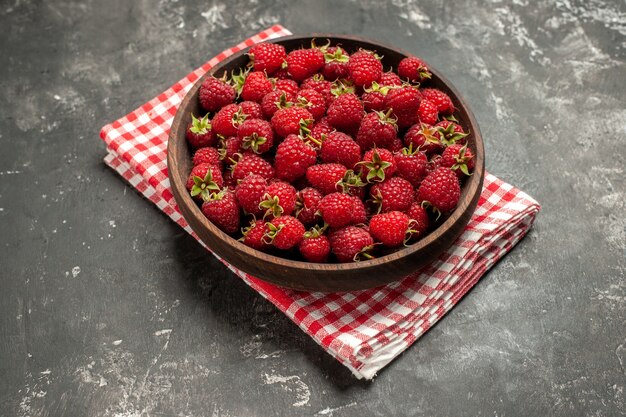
[312,276]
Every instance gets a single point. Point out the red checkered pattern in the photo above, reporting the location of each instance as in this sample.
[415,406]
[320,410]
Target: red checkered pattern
[364,330]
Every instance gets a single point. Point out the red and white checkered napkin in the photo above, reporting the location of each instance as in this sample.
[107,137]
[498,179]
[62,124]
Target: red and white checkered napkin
[366,329]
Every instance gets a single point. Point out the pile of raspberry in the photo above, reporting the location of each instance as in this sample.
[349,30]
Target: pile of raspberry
[321,155]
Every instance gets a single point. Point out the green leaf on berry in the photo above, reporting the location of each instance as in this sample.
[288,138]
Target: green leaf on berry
[204,186]
[428,206]
[271,205]
[282,102]
[200,126]
[237,80]
[337,56]
[315,231]
[376,168]
[322,48]
[312,142]
[424,73]
[305,127]
[350,180]
[410,232]
[271,233]
[340,87]
[377,201]
[238,117]
[364,254]
[409,151]
[253,142]
[304,103]
[463,168]
[221,148]
[448,136]
[387,118]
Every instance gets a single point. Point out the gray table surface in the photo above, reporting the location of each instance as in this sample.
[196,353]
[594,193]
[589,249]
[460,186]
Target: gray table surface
[109,309]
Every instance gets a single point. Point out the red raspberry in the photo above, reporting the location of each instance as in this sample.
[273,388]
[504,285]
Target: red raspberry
[320,130]
[222,209]
[256,134]
[252,235]
[413,69]
[458,158]
[427,112]
[377,164]
[288,121]
[207,155]
[252,164]
[359,214]
[340,148]
[285,232]
[229,182]
[322,86]
[302,63]
[442,100]
[279,199]
[288,86]
[229,148]
[374,96]
[256,86]
[404,102]
[391,229]
[200,133]
[421,221]
[268,57]
[441,190]
[282,74]
[351,244]
[313,101]
[227,120]
[377,130]
[336,209]
[336,65]
[325,177]
[396,145]
[389,79]
[434,163]
[215,94]
[395,194]
[365,68]
[411,165]
[424,137]
[345,113]
[251,110]
[315,246]
[203,180]
[249,193]
[307,203]
[373,101]
[275,100]
[293,157]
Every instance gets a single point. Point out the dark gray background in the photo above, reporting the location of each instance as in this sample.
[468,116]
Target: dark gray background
[109,309]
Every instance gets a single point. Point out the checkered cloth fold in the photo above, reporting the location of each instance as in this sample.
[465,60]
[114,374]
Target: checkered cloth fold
[364,330]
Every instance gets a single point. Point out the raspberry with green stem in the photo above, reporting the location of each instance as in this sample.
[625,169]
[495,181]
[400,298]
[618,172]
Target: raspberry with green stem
[376,166]
[204,187]
[200,126]
[449,135]
[238,80]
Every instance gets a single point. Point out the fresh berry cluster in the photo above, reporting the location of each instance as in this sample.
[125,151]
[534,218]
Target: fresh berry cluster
[322,155]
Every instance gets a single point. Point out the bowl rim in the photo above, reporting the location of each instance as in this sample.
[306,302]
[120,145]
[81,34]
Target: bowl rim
[470,187]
